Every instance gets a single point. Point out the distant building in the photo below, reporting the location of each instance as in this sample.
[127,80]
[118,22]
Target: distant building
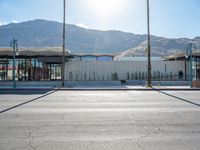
[44,64]
[32,64]
[137,59]
[186,59]
[93,56]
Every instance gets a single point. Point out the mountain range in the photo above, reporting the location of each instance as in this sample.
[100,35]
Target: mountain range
[43,33]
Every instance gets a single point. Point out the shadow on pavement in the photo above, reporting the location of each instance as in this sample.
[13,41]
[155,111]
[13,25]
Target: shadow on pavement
[179,98]
[10,108]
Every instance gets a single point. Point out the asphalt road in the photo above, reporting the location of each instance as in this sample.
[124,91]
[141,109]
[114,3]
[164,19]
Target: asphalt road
[100,120]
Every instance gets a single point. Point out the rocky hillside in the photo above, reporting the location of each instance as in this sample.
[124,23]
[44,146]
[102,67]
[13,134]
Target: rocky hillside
[42,33]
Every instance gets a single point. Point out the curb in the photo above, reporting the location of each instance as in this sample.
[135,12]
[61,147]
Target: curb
[99,89]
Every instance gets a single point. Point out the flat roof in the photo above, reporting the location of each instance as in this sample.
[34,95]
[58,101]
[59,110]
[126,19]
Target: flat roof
[95,54]
[33,52]
[181,55]
[137,59]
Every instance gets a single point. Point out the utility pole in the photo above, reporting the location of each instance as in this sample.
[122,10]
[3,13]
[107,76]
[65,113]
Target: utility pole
[149,46]
[190,55]
[14,45]
[191,76]
[63,48]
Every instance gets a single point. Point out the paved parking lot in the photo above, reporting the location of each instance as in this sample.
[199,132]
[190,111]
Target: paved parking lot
[99,120]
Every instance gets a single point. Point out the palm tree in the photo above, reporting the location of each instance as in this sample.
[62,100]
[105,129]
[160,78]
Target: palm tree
[63,56]
[149,46]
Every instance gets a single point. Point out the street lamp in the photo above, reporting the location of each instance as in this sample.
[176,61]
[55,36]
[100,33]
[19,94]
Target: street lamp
[191,46]
[14,45]
[149,46]
[63,55]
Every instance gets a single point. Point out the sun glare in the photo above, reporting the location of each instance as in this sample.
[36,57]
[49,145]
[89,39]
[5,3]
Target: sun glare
[105,9]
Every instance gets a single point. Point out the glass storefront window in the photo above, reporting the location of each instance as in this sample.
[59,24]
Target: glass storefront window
[29,69]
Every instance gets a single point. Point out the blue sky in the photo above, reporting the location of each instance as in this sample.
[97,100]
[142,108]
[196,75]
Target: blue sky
[169,18]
